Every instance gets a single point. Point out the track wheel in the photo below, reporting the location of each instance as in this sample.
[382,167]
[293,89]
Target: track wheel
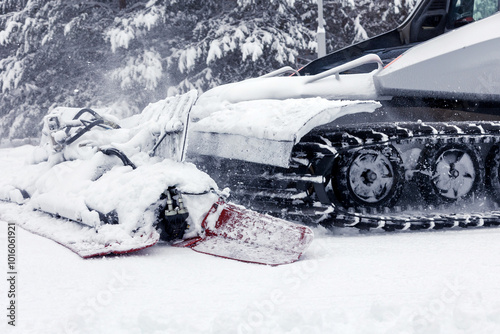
[493,172]
[449,173]
[370,177]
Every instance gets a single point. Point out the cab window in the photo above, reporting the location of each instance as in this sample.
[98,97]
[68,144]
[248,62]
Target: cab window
[463,12]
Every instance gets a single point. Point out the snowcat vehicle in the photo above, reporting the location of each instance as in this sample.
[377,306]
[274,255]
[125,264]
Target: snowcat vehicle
[407,136]
[410,139]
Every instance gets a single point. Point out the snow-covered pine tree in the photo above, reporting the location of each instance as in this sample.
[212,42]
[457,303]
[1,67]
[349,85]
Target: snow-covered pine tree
[197,45]
[53,54]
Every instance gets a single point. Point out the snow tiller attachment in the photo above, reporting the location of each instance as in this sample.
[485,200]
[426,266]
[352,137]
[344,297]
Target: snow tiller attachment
[116,186]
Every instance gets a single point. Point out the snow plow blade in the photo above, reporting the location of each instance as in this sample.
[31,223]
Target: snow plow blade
[234,232]
[85,241]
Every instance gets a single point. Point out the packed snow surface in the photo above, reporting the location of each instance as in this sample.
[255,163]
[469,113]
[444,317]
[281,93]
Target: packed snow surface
[346,282]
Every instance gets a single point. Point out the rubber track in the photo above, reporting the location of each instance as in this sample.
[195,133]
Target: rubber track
[323,144]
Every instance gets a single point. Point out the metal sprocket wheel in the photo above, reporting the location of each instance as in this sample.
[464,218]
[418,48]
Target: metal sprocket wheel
[449,173]
[368,177]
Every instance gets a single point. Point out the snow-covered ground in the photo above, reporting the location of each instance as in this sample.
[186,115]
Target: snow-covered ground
[346,282]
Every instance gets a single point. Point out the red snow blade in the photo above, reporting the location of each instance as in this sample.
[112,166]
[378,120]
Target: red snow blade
[93,248]
[83,240]
[234,232]
[89,248]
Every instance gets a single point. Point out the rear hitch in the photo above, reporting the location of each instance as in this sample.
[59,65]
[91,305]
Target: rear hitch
[173,219]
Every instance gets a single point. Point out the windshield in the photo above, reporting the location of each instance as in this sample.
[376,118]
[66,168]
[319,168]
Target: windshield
[467,11]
